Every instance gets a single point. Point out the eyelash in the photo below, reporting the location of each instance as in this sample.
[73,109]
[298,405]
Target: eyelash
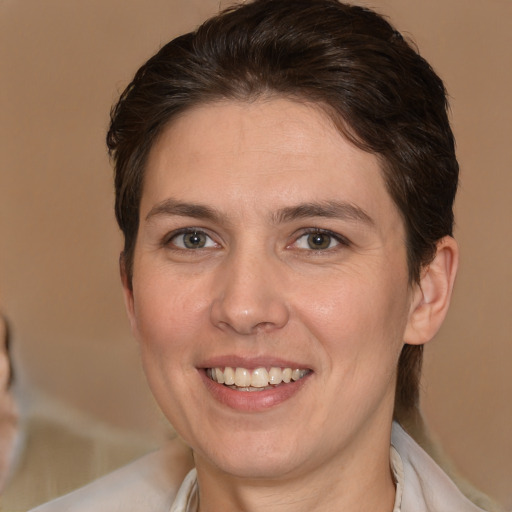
[341,240]
[167,241]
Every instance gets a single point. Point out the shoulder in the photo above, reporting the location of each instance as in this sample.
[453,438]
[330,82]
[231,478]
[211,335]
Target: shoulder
[427,488]
[149,483]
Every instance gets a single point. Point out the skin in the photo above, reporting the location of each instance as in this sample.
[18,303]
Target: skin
[257,294]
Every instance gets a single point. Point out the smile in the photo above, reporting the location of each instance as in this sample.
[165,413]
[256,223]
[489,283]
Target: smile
[259,379]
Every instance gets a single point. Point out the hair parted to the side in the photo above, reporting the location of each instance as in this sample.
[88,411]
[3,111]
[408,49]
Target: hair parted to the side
[380,93]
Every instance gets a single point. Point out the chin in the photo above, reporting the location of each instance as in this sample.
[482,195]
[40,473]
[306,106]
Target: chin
[259,468]
[254,460]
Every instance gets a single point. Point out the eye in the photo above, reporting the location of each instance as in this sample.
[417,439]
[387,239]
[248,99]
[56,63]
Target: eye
[319,240]
[191,239]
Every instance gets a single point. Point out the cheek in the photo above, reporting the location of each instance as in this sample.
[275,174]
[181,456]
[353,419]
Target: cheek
[167,309]
[169,320]
[171,317]
[356,318]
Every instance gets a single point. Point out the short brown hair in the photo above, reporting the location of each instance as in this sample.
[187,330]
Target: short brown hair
[381,94]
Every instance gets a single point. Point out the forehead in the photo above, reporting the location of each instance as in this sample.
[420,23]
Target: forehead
[271,152]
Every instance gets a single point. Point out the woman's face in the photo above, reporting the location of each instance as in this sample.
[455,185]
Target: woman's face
[269,245]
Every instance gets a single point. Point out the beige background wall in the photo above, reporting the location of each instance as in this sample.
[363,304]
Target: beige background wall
[63,63]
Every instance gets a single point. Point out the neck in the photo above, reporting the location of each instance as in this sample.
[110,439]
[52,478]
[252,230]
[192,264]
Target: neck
[352,481]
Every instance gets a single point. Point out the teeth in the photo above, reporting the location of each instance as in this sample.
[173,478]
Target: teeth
[229,375]
[297,374]
[275,376]
[259,378]
[255,380]
[219,376]
[242,378]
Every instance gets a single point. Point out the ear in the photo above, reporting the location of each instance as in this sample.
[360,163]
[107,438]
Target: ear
[127,292]
[431,297]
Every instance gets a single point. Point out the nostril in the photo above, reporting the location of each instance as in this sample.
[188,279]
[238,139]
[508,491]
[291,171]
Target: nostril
[261,316]
[263,327]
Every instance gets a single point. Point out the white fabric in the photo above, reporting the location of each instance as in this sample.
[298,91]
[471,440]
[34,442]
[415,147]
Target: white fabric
[397,469]
[153,485]
[427,488]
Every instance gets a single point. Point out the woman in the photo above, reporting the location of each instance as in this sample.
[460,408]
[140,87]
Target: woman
[285,178]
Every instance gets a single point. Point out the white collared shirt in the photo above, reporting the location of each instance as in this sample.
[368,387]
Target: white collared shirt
[155,484]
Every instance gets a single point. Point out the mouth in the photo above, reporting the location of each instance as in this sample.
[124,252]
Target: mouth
[258,379]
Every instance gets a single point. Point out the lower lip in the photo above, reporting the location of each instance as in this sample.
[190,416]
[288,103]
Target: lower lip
[252,401]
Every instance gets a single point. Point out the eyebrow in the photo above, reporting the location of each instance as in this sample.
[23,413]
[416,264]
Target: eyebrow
[327,209]
[172,207]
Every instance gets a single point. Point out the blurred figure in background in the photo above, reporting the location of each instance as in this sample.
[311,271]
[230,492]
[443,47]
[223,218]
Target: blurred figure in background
[47,448]
[8,409]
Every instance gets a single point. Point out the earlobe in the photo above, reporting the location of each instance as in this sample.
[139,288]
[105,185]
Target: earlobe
[432,295]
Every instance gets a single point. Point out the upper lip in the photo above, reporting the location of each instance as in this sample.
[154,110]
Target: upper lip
[251,363]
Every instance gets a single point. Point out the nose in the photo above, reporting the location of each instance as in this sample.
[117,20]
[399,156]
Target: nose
[249,295]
